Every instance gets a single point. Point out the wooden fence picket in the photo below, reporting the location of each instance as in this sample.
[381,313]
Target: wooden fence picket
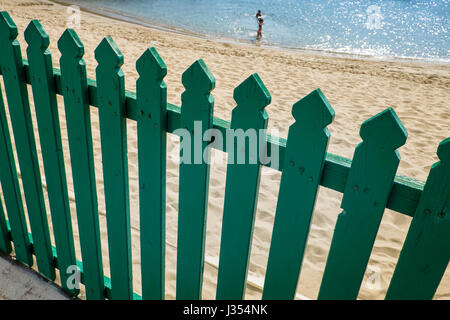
[75,92]
[19,108]
[426,252]
[11,193]
[304,159]
[5,244]
[44,95]
[242,184]
[151,96]
[113,133]
[372,173]
[196,117]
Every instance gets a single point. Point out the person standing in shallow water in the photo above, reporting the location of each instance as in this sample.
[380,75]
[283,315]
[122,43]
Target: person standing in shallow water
[260,22]
[259,33]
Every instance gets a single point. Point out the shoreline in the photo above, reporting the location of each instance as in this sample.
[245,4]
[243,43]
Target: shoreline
[123,17]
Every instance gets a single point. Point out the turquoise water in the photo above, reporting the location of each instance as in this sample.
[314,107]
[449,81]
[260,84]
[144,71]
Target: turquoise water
[388,28]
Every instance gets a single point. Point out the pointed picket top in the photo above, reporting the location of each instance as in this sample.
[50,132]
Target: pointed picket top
[8,29]
[108,54]
[198,78]
[36,36]
[70,45]
[151,65]
[313,110]
[443,151]
[252,93]
[151,100]
[384,129]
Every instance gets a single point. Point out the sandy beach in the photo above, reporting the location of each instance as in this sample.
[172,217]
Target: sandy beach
[356,89]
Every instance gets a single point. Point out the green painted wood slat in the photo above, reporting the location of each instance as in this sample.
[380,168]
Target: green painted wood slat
[11,193]
[113,134]
[5,244]
[151,97]
[19,109]
[196,117]
[46,107]
[426,252]
[305,156]
[74,82]
[242,183]
[372,173]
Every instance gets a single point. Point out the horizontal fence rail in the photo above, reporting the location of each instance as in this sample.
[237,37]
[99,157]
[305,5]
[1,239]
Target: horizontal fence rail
[368,182]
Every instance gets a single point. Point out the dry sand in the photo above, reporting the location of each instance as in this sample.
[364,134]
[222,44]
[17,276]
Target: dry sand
[357,89]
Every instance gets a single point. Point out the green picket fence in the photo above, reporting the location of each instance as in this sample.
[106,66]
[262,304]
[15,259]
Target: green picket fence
[368,182]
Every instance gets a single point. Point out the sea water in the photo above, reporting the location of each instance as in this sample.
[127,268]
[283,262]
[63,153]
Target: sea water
[377,28]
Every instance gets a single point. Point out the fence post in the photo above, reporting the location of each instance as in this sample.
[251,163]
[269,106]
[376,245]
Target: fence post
[366,193]
[11,193]
[304,160]
[113,132]
[242,184]
[41,74]
[196,107]
[75,92]
[426,251]
[19,109]
[151,96]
